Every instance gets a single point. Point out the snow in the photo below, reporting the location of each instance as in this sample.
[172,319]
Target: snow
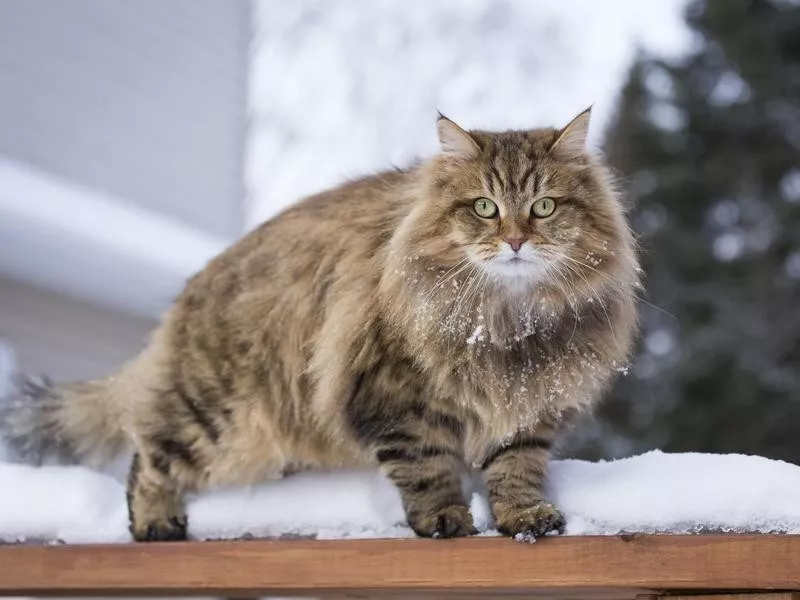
[653,492]
[476,335]
[338,90]
[678,493]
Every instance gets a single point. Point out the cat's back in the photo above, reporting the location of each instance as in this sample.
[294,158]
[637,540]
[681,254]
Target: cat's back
[349,222]
[296,258]
[371,201]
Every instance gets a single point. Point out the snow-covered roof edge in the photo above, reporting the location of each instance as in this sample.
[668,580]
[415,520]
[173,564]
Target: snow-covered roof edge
[94,246]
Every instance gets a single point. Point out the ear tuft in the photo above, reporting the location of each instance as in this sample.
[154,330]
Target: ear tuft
[455,141]
[571,140]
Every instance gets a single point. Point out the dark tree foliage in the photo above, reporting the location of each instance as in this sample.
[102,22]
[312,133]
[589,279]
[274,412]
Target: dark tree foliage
[708,148]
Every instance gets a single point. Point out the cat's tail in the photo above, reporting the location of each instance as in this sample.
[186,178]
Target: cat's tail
[75,423]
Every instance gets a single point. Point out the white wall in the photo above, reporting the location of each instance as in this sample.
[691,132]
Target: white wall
[122,129]
[63,338]
[141,99]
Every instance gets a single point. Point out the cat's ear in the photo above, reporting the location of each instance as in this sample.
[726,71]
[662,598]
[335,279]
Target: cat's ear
[454,141]
[571,140]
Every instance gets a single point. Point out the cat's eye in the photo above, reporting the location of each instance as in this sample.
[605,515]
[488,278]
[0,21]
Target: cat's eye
[543,208]
[485,208]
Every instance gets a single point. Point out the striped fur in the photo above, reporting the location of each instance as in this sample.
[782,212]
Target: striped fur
[361,328]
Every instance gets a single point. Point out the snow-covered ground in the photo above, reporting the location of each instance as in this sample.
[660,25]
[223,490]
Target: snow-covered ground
[654,492]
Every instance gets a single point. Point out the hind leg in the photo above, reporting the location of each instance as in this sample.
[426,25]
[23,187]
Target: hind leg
[177,439]
[155,502]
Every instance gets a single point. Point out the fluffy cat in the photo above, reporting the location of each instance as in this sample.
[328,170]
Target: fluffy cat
[455,314]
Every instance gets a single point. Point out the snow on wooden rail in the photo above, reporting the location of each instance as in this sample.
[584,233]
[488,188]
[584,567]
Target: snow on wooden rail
[650,493]
[574,567]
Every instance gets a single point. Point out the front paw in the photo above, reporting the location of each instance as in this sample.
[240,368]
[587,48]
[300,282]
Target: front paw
[526,523]
[449,522]
[170,529]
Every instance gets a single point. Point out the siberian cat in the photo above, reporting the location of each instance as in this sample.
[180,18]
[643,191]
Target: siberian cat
[455,314]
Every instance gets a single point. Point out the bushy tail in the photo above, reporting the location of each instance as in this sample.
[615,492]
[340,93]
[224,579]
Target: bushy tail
[77,423]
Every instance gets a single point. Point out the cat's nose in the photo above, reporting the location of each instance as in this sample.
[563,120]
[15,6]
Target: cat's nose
[515,243]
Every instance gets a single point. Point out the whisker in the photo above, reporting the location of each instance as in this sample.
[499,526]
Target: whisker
[477,293]
[468,288]
[617,286]
[446,278]
[598,297]
[460,292]
[572,304]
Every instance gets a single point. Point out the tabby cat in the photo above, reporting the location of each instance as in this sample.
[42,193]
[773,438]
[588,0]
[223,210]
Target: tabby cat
[454,314]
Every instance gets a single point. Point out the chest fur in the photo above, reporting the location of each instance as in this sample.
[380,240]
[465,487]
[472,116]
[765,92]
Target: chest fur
[512,388]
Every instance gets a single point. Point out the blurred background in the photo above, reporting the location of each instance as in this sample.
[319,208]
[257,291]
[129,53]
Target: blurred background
[140,137]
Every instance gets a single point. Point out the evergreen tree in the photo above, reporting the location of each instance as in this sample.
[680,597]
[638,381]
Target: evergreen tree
[709,152]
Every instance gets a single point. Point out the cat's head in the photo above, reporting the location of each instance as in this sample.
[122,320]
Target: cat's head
[522,207]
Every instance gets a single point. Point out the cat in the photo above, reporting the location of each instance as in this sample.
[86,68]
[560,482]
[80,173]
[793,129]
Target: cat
[456,314]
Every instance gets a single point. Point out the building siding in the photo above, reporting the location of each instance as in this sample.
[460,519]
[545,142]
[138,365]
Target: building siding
[145,99]
[64,338]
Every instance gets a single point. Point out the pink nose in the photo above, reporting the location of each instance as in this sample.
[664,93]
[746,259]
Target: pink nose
[515,243]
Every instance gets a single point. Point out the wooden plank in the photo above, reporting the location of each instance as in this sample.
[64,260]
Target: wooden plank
[750,596]
[576,567]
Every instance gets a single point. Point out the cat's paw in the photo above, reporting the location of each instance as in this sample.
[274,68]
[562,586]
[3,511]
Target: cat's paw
[531,522]
[172,529]
[449,522]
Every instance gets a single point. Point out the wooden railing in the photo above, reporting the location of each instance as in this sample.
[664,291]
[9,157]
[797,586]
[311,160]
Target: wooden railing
[566,567]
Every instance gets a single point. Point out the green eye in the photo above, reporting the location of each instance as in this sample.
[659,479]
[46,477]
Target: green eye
[543,208]
[485,208]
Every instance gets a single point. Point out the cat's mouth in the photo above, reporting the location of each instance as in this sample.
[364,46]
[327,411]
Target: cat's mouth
[527,265]
[516,267]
